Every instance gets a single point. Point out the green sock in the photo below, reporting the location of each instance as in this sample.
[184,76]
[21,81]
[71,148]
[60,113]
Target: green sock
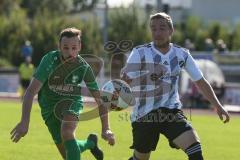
[85,144]
[72,150]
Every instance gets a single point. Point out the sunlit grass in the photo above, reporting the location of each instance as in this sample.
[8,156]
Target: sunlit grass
[219,141]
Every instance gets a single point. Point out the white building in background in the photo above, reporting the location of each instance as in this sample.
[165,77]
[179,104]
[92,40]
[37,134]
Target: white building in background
[224,11]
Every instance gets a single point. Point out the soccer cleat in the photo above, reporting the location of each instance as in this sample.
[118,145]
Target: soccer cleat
[96,151]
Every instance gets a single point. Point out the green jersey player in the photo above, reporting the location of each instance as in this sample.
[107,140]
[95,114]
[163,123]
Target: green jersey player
[57,82]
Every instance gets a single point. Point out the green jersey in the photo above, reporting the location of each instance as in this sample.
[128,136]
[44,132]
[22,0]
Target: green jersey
[62,81]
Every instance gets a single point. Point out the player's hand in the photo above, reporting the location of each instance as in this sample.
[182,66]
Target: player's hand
[222,112]
[126,78]
[19,131]
[108,136]
[115,108]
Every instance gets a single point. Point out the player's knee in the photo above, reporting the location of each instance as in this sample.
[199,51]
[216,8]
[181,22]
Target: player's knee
[67,130]
[194,152]
[67,134]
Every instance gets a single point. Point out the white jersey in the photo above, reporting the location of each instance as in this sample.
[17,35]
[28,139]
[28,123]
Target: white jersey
[155,77]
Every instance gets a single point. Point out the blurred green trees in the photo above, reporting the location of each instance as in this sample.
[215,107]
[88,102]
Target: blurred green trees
[125,24]
[14,29]
[41,21]
[236,38]
[41,28]
[33,7]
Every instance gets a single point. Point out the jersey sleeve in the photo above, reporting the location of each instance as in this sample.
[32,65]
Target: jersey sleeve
[133,65]
[90,79]
[192,68]
[43,70]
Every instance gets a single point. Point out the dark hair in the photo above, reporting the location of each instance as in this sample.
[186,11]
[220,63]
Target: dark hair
[163,16]
[70,32]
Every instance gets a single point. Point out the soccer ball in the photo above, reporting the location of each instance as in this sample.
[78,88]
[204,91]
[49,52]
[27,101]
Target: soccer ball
[117,95]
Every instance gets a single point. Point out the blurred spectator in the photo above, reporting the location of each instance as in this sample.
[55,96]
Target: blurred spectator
[194,95]
[26,71]
[209,46]
[189,45]
[193,98]
[221,47]
[27,49]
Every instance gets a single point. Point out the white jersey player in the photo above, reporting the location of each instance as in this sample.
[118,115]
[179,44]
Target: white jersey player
[156,85]
[153,70]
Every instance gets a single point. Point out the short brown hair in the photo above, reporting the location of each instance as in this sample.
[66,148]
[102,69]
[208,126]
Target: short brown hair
[163,16]
[70,32]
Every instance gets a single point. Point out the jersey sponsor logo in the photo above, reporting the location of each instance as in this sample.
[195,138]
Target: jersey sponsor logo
[56,77]
[153,72]
[56,80]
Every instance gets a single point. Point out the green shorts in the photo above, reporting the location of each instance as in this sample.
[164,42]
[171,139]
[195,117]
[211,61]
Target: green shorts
[54,120]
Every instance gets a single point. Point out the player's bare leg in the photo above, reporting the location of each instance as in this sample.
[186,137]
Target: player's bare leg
[189,142]
[69,125]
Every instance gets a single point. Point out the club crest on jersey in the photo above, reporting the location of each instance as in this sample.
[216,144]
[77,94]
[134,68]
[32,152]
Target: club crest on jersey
[181,63]
[75,78]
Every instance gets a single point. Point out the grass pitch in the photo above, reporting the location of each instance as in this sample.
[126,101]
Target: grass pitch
[219,141]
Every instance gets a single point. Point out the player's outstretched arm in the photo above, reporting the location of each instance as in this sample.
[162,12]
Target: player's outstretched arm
[107,134]
[208,92]
[21,129]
